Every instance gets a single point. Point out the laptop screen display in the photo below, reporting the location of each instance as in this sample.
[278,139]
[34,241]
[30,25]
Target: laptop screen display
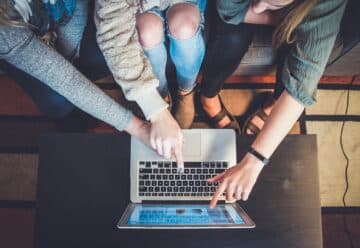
[184,215]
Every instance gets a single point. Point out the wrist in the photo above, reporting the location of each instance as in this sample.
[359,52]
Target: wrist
[135,126]
[258,156]
[159,116]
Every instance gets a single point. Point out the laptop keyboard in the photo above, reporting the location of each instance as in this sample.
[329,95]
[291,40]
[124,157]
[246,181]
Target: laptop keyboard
[161,178]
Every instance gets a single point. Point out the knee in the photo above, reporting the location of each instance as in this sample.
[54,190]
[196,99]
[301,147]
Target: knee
[184,20]
[150,29]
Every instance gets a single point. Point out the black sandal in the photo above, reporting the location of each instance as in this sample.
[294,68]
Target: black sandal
[234,124]
[260,113]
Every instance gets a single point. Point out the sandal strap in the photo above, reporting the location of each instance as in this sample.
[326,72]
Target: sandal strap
[253,128]
[219,116]
[261,114]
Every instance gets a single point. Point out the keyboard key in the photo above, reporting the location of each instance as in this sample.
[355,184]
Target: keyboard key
[142,189]
[167,165]
[142,176]
[160,165]
[224,164]
[218,165]
[192,164]
[173,164]
[218,171]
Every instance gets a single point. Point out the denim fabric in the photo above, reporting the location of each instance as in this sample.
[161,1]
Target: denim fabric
[47,100]
[187,54]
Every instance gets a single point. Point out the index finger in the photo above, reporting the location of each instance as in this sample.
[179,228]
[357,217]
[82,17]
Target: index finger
[217,195]
[179,158]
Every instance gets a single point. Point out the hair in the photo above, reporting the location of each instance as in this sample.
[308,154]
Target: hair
[292,16]
[6,15]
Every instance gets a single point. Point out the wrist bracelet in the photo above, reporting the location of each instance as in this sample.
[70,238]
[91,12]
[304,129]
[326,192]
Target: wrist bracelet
[257,155]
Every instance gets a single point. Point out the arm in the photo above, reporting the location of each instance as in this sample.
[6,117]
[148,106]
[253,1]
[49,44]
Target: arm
[20,47]
[301,72]
[118,39]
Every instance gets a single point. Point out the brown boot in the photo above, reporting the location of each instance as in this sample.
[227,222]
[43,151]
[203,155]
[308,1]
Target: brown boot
[184,112]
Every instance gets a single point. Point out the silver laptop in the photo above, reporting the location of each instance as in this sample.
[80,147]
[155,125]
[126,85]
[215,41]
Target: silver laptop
[163,198]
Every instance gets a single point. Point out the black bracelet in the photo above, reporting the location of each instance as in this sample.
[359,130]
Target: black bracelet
[256,154]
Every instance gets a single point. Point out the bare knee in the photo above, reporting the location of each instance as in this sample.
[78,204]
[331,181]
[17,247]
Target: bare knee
[150,28]
[184,20]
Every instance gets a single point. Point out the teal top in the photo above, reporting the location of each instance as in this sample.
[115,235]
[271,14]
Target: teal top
[308,55]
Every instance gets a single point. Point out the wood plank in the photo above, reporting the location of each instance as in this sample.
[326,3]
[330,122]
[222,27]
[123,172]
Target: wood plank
[17,228]
[13,99]
[18,177]
[334,235]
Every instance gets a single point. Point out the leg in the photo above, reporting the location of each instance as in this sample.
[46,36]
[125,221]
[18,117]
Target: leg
[70,35]
[227,45]
[48,101]
[151,34]
[92,62]
[187,47]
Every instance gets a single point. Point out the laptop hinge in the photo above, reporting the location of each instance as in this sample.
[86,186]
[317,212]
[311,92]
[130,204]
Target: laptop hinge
[162,202]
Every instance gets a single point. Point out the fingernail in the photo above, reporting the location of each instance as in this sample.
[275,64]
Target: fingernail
[180,170]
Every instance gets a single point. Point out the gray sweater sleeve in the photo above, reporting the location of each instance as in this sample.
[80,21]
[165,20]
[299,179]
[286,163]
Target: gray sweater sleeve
[21,48]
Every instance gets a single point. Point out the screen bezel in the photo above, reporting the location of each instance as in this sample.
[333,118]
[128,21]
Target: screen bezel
[123,222]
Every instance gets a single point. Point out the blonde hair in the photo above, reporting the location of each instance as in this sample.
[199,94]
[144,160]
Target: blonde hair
[7,15]
[292,16]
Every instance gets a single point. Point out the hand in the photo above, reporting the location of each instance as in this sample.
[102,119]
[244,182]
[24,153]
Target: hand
[139,129]
[166,137]
[237,181]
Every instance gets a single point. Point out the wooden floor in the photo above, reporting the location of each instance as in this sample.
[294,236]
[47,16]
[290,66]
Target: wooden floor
[17,228]
[21,124]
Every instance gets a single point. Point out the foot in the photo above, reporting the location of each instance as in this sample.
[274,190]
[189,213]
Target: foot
[212,106]
[184,111]
[257,120]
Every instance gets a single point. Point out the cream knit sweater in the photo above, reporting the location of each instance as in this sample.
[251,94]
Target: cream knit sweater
[118,39]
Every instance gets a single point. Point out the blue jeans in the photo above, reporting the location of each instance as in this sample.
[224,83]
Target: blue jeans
[47,100]
[186,54]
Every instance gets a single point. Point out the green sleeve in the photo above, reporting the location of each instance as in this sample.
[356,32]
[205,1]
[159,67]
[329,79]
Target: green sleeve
[232,11]
[308,55]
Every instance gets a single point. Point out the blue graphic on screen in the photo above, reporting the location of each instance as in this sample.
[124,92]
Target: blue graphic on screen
[184,215]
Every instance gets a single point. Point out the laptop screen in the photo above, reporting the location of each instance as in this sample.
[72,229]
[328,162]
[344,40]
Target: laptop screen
[184,215]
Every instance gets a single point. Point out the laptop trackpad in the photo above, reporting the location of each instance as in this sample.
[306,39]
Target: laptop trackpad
[192,145]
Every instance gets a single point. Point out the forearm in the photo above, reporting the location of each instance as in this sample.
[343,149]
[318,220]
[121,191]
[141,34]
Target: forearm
[282,118]
[118,40]
[45,64]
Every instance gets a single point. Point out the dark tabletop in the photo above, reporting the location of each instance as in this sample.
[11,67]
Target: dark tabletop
[83,189]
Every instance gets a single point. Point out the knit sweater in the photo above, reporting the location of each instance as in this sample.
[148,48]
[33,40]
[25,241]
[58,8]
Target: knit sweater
[23,49]
[118,39]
